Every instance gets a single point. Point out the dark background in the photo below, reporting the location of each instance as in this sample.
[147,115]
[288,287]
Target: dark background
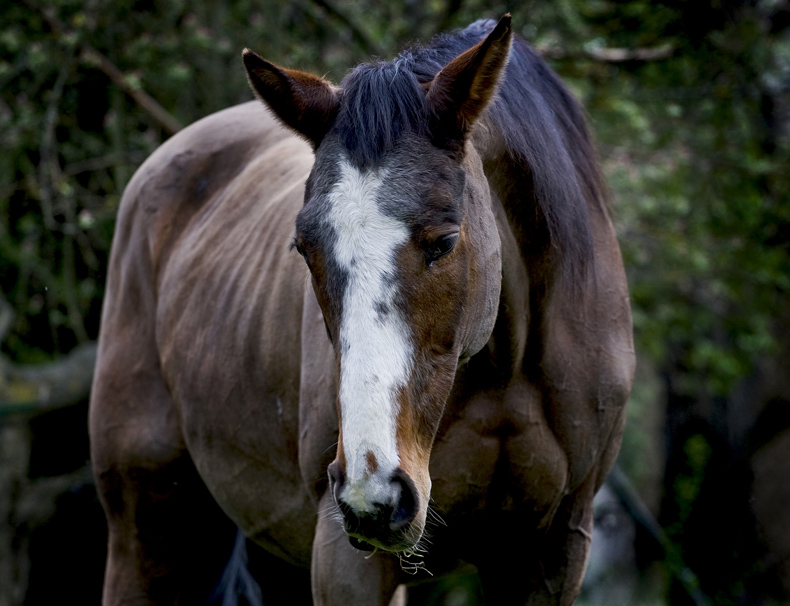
[689,101]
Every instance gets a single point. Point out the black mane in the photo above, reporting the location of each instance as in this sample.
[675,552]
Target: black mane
[542,125]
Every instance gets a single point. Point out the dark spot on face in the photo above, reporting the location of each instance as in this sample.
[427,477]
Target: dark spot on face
[382,309]
[372,462]
[390,280]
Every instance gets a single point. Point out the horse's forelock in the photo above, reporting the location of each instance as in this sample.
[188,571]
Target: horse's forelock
[381,102]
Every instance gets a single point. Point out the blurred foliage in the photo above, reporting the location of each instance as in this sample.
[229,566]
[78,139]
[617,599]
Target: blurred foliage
[693,143]
[694,135]
[696,153]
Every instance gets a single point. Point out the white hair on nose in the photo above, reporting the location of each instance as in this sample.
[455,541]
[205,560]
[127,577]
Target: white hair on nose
[377,352]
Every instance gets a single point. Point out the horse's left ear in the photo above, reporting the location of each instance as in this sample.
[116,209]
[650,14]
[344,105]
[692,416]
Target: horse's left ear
[306,103]
[460,92]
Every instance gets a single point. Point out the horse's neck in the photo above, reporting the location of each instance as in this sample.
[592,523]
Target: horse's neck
[511,183]
[528,267]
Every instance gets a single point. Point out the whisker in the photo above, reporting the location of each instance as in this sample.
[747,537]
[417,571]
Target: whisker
[435,517]
[328,510]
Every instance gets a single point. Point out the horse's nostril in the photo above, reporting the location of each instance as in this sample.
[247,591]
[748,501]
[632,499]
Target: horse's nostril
[407,504]
[335,474]
[336,480]
[351,519]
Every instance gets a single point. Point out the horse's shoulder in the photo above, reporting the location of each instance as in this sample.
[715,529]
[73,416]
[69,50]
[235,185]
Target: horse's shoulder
[588,357]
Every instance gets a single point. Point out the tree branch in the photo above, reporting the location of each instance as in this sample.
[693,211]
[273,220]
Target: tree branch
[610,55]
[128,85]
[643,517]
[131,88]
[453,6]
[6,317]
[362,39]
[39,387]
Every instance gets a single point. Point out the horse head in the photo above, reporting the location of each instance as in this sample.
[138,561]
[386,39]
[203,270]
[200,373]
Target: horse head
[401,241]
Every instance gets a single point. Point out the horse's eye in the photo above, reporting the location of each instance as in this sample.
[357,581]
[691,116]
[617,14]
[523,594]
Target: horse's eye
[295,244]
[440,247]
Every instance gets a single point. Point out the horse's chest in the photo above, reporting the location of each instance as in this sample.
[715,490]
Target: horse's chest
[498,453]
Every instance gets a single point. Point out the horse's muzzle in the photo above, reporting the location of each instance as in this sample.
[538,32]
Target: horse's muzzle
[385,525]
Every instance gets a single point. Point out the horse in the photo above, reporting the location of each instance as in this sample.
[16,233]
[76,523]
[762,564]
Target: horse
[382,328]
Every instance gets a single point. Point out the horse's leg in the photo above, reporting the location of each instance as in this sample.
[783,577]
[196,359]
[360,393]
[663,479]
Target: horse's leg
[567,548]
[344,575]
[545,571]
[567,545]
[168,540]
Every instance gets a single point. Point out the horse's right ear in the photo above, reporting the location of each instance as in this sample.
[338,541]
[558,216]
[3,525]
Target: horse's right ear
[304,102]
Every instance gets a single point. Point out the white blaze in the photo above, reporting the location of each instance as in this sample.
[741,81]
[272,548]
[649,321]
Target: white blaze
[377,350]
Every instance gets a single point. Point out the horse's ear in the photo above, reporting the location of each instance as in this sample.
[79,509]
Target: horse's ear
[306,103]
[460,92]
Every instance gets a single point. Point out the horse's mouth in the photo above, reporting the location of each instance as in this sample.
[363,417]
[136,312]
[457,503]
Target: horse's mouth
[361,544]
[370,544]
[410,557]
